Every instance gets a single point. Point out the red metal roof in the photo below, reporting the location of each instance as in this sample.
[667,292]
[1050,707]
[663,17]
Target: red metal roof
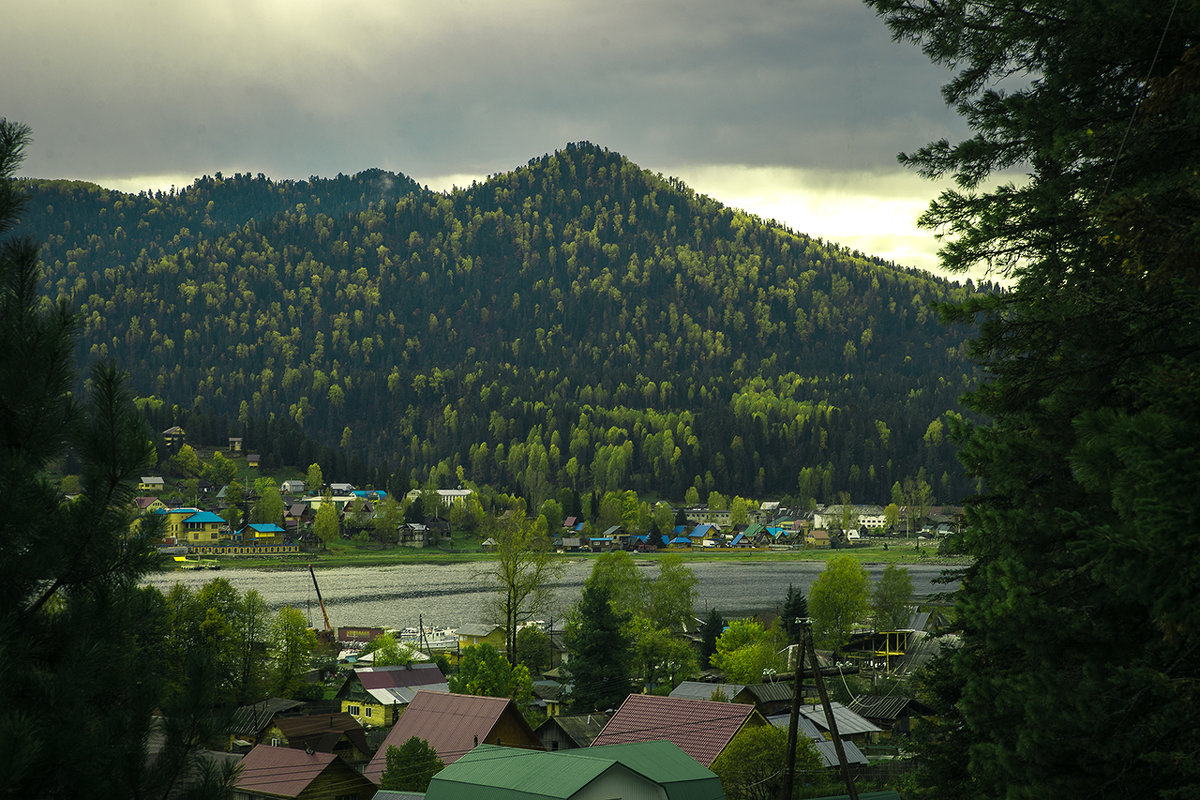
[282,771]
[700,728]
[453,724]
[392,677]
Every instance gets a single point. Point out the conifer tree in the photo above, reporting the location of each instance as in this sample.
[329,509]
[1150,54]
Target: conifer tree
[1079,611]
[81,644]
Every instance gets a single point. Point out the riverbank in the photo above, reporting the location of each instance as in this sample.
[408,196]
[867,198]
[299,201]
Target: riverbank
[350,555]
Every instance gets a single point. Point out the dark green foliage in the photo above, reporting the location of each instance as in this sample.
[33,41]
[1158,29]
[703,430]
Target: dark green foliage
[891,601]
[81,645]
[410,767]
[599,666]
[793,615]
[533,649]
[1077,672]
[577,322]
[714,624]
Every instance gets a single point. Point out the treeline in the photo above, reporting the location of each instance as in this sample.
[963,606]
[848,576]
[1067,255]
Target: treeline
[576,322]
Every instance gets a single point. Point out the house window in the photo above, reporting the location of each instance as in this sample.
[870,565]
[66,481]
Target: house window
[353,711]
[368,712]
[275,743]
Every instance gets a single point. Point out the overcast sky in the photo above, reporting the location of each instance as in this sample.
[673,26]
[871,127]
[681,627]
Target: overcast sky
[794,110]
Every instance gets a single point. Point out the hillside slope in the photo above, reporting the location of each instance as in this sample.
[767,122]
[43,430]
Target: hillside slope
[577,321]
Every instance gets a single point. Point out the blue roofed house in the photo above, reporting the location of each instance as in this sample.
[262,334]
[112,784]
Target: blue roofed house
[260,534]
[203,528]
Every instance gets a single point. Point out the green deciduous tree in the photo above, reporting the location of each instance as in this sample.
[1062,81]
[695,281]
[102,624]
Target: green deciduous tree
[1078,611]
[746,652]
[891,601]
[533,649]
[389,651]
[525,565]
[290,648]
[410,767]
[326,522]
[838,599]
[187,462]
[618,574]
[671,595]
[314,480]
[749,767]
[484,672]
[268,508]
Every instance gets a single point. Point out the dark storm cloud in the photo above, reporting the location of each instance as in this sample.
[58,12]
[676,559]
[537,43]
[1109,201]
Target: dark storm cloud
[301,88]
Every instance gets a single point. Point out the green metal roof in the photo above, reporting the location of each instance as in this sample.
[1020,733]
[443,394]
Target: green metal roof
[490,772]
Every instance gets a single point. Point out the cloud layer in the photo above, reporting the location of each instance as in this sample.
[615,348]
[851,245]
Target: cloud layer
[294,88]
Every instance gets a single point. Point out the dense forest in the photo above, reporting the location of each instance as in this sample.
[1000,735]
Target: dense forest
[577,322]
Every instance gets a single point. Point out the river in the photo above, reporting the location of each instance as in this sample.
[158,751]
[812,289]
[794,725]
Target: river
[447,595]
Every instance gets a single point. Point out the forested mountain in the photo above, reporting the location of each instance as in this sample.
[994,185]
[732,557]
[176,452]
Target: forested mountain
[575,322]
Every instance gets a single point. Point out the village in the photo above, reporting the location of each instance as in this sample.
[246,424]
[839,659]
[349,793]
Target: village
[372,691]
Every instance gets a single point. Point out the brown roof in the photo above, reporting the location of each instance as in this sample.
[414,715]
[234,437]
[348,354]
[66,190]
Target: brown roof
[391,677]
[323,731]
[286,772]
[453,724]
[700,728]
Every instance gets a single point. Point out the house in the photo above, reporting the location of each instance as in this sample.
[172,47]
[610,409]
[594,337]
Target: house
[473,633]
[174,438]
[337,733]
[447,497]
[453,724]
[148,505]
[643,770]
[414,534]
[817,538]
[699,690]
[235,444]
[767,698]
[252,460]
[298,516]
[292,487]
[151,483]
[203,527]
[269,773]
[565,732]
[260,533]
[255,724]
[701,728]
[375,695]
[892,713]
[849,724]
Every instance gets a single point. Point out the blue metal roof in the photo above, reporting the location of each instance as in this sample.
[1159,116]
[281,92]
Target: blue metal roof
[204,516]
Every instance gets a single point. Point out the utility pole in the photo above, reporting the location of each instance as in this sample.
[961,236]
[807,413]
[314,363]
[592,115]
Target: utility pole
[833,731]
[789,775]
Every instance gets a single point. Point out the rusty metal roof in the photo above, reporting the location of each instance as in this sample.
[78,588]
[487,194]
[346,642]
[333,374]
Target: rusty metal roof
[700,728]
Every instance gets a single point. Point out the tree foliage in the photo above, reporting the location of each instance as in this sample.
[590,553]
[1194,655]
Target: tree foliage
[82,647]
[1079,612]
[599,664]
[577,322]
[410,767]
[524,567]
[748,653]
[485,672]
[891,601]
[838,599]
[749,767]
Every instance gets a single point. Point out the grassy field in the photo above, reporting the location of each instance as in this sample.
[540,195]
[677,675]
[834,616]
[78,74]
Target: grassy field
[350,555]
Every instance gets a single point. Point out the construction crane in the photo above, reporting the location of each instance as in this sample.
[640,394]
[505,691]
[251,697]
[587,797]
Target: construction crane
[327,634]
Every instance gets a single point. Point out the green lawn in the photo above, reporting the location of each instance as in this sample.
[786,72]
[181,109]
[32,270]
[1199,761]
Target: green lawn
[351,555]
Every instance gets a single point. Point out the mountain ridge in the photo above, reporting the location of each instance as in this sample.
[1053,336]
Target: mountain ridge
[577,308]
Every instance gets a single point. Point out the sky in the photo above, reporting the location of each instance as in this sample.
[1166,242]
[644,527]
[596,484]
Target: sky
[793,110]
